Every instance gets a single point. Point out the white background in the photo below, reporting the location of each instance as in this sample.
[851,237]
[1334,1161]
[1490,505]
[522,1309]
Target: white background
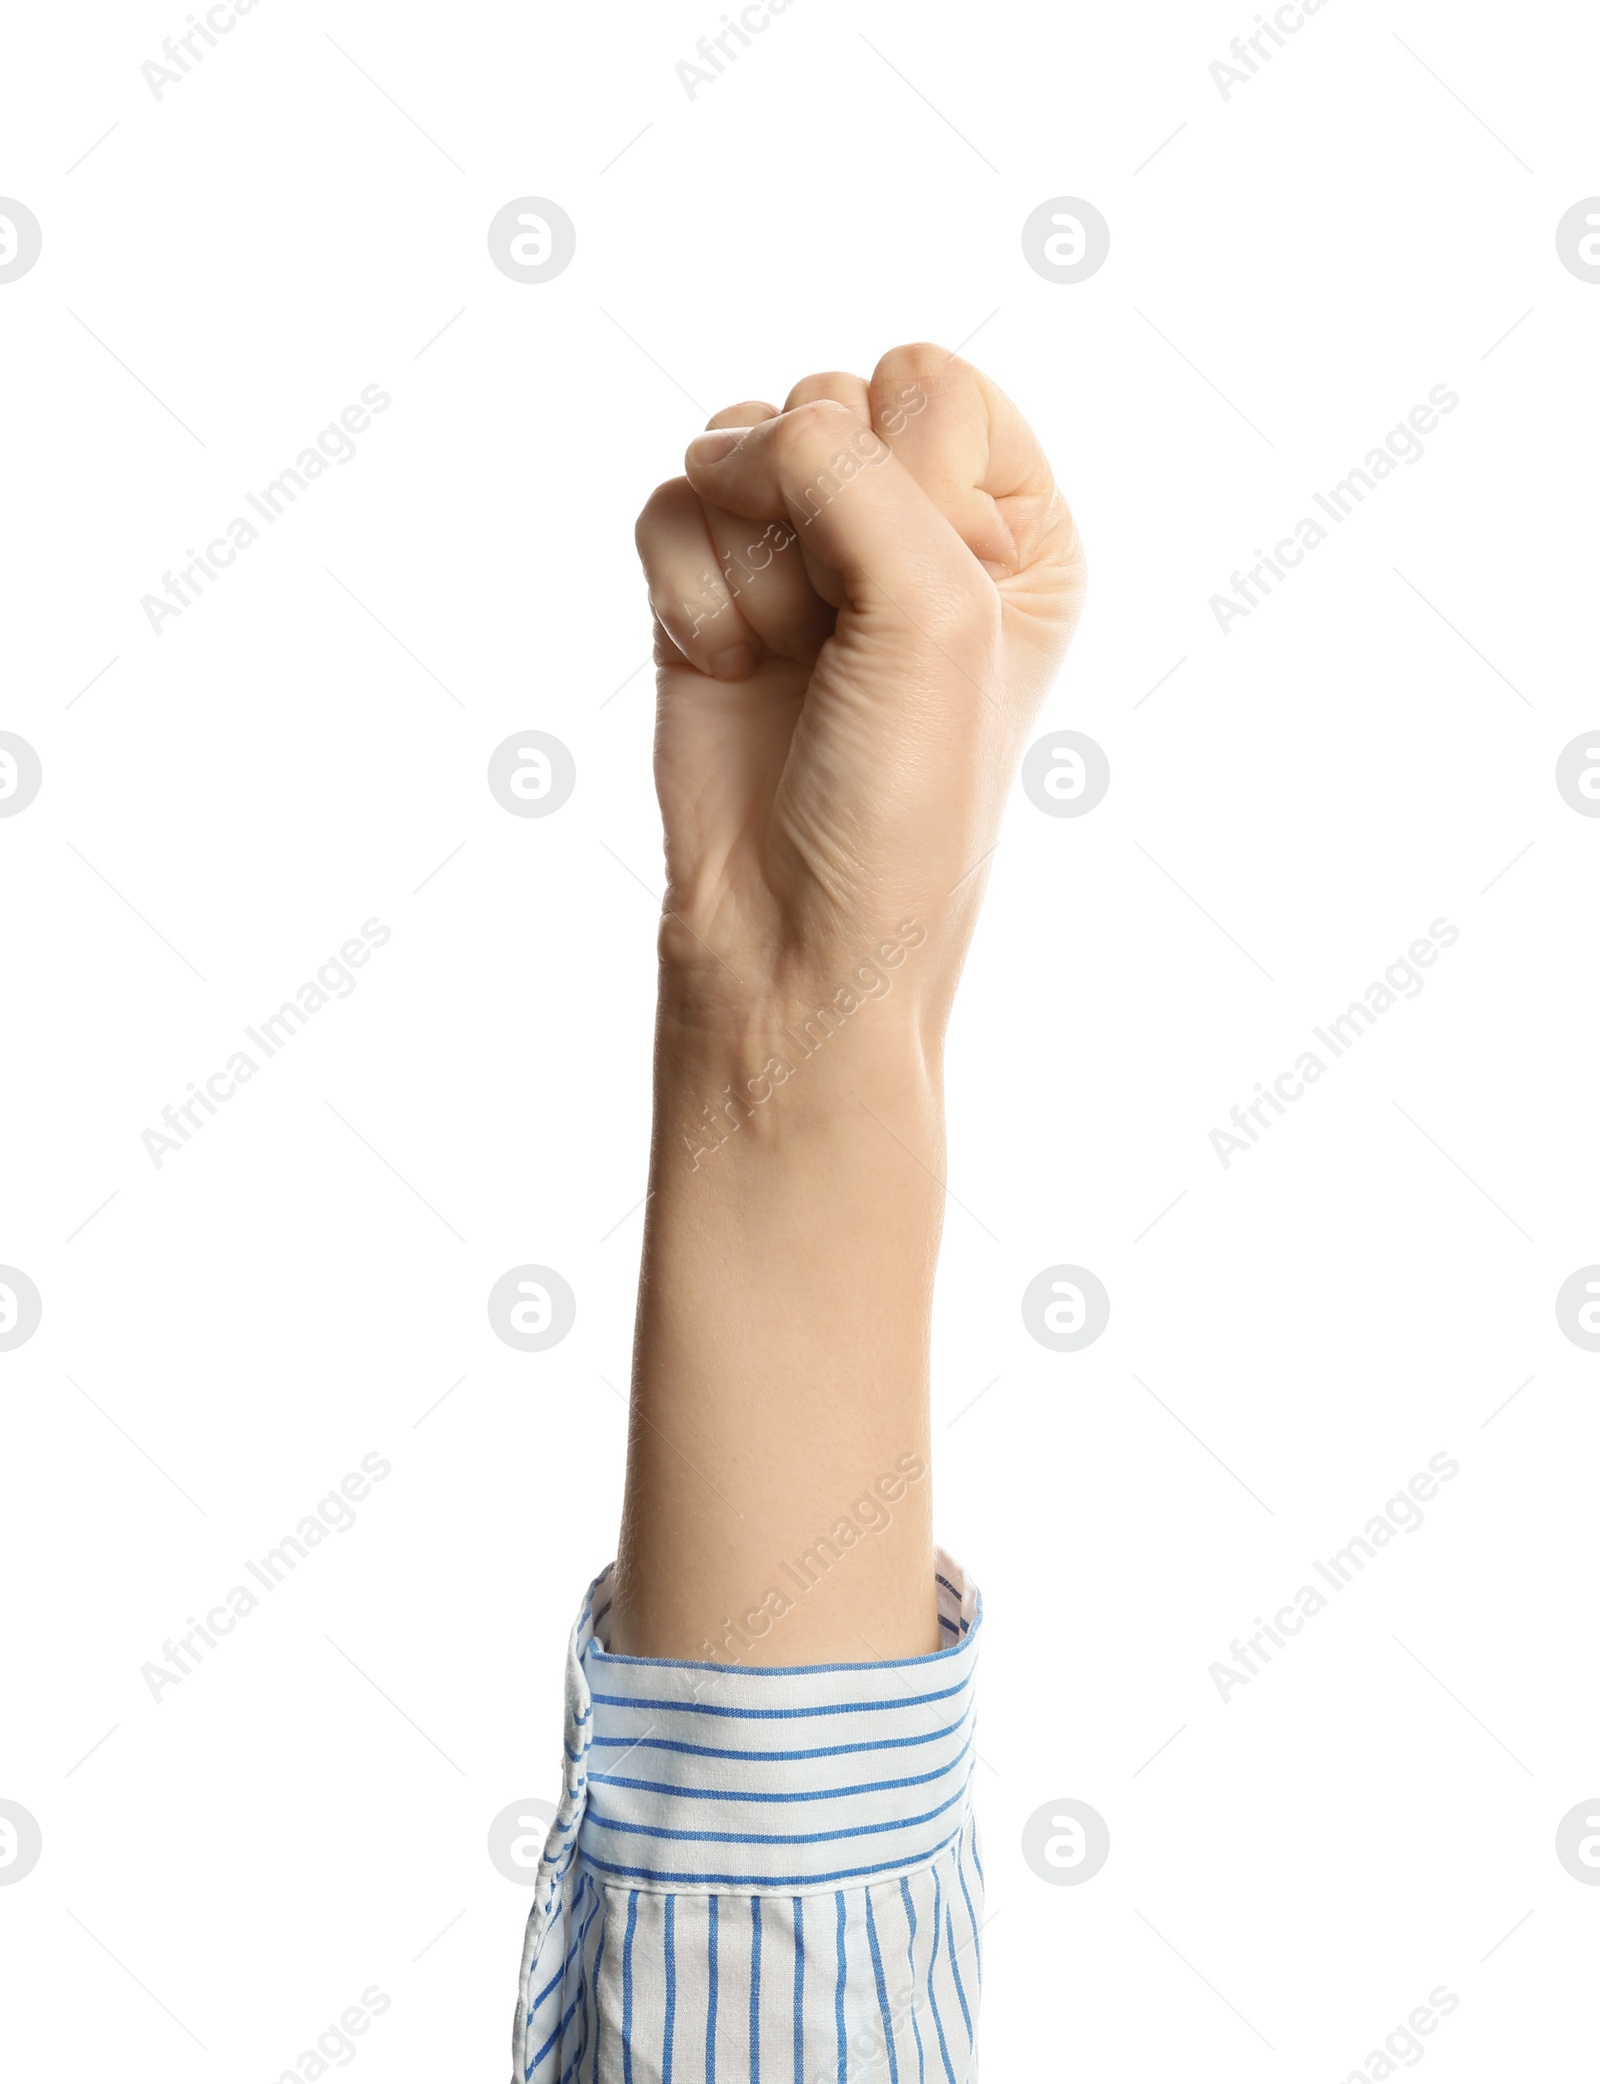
[305,1814]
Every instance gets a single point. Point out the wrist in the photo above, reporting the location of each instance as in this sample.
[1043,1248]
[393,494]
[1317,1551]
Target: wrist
[878,983]
[782,1079]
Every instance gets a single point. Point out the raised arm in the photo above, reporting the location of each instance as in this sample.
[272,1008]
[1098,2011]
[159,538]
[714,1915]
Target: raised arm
[859,603]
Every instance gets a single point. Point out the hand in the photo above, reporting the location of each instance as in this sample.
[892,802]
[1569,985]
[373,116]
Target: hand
[860,602]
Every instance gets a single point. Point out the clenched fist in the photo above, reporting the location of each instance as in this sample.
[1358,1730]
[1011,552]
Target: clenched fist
[859,603]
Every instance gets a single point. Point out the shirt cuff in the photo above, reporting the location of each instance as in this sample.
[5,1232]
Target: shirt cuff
[710,1779]
[733,1779]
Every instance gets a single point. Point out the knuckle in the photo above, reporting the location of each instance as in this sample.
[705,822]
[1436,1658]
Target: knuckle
[749,412]
[812,435]
[914,358]
[819,417]
[824,384]
[909,377]
[918,362]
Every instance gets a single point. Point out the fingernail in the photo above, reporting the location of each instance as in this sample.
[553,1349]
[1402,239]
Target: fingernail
[712,447]
[736,663]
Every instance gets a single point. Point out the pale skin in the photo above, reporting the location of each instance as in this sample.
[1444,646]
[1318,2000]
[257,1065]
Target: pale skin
[860,601]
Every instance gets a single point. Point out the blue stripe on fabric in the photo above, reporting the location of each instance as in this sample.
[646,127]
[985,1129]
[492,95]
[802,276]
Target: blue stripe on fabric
[556,2031]
[843,1707]
[559,1874]
[940,1579]
[840,1972]
[670,1969]
[774,1757]
[712,1903]
[545,2050]
[813,1794]
[933,1988]
[770,1881]
[754,2051]
[883,1994]
[799,1989]
[955,1970]
[627,1988]
[557,1979]
[575,2065]
[563,2023]
[911,1963]
[564,2020]
[599,2015]
[946,1622]
[976,1861]
[977,1950]
[870,1830]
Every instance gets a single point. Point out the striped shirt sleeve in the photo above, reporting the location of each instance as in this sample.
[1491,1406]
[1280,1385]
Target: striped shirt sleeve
[771,1876]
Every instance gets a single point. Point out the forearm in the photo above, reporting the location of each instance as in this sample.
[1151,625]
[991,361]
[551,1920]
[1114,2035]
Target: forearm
[778,1506]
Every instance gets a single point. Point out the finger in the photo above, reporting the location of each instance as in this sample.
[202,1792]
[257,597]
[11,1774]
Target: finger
[970,449]
[855,508]
[767,574]
[762,568]
[843,388]
[837,384]
[691,598]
